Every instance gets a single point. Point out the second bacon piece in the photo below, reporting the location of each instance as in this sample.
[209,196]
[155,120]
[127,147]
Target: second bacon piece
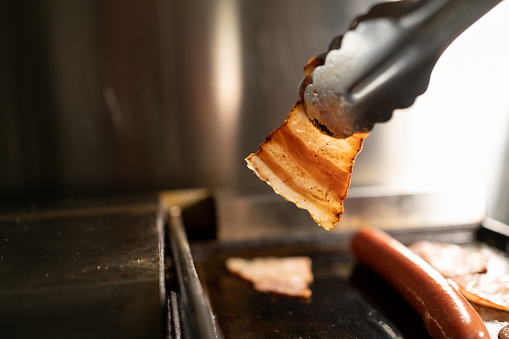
[446,313]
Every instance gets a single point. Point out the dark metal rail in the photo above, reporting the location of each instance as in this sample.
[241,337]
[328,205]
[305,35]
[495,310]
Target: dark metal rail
[196,319]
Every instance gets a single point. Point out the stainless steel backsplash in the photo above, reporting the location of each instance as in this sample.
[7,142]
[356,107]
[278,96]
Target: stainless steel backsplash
[115,96]
[121,96]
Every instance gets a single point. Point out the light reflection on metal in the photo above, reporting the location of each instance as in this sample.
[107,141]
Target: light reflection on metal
[455,133]
[227,77]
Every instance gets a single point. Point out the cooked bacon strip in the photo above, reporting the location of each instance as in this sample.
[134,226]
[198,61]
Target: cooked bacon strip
[481,275]
[307,166]
[484,289]
[288,276]
[451,259]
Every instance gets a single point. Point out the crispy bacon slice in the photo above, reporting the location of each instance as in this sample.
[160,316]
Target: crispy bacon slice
[308,167]
[480,274]
[288,276]
[451,259]
[484,289]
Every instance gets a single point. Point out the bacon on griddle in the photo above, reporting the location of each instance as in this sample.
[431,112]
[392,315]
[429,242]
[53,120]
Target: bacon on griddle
[451,259]
[287,276]
[480,274]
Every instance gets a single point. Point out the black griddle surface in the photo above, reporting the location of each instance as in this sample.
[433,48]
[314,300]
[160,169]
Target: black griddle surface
[348,301]
[83,271]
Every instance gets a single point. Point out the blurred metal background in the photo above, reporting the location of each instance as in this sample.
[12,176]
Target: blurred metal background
[108,97]
[121,96]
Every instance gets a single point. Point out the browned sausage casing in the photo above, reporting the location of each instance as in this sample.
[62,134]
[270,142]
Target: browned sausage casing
[446,313]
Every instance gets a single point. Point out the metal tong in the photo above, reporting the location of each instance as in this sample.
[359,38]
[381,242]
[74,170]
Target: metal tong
[383,62]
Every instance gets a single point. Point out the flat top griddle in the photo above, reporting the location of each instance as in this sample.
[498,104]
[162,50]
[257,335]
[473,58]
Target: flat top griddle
[87,268]
[348,300]
[105,268]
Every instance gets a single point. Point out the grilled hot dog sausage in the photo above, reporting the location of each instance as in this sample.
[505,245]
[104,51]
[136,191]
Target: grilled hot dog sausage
[446,313]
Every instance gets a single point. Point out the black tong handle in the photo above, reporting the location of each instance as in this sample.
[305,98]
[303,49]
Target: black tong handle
[384,62]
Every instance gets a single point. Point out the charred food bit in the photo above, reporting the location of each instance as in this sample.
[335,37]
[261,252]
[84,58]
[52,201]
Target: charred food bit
[287,276]
[504,333]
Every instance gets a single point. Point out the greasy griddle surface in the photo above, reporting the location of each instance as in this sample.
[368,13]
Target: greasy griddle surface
[348,301]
